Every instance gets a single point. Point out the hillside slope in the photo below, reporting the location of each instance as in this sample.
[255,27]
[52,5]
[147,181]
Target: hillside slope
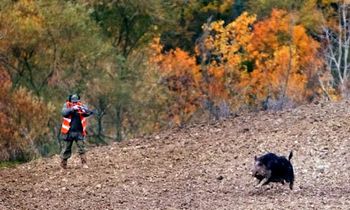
[199,167]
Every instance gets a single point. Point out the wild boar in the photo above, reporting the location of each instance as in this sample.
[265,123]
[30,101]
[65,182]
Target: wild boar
[273,168]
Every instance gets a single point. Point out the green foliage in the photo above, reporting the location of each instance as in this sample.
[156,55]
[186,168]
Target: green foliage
[128,24]
[308,11]
[49,44]
[191,15]
[262,8]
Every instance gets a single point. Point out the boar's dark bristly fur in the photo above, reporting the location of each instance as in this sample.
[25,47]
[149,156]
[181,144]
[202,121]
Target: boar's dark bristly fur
[272,168]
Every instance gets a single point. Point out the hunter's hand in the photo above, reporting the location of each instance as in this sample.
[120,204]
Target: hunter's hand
[75,107]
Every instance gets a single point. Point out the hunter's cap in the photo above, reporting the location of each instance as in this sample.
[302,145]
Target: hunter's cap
[75,98]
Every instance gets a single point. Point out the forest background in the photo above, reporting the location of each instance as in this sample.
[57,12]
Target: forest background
[149,65]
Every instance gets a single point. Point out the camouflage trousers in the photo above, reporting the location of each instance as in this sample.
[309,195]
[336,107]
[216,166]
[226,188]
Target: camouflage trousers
[66,152]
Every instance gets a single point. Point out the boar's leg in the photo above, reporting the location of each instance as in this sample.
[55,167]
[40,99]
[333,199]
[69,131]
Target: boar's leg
[258,182]
[265,181]
[291,185]
[290,180]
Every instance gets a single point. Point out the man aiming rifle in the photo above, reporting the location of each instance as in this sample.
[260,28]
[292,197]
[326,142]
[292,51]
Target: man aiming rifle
[73,128]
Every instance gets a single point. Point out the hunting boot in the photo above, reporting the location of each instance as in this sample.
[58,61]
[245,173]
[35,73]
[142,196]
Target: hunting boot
[84,161]
[63,164]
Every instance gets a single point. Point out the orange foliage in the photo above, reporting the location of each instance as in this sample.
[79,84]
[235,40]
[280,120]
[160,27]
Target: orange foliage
[23,120]
[244,62]
[181,75]
[284,57]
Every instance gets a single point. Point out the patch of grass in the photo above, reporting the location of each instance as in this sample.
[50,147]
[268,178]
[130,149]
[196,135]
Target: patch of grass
[9,164]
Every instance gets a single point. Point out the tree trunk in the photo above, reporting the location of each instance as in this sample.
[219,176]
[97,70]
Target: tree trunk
[118,122]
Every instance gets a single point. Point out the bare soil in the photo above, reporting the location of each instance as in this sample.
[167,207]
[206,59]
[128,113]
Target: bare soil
[199,167]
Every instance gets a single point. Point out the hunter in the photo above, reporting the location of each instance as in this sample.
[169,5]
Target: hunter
[73,129]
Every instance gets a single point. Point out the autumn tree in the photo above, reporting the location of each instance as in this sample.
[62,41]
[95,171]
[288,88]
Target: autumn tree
[24,118]
[267,58]
[283,53]
[181,75]
[223,58]
[247,62]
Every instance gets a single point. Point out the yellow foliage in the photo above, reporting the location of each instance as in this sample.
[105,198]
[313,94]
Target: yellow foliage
[228,43]
[219,5]
[21,22]
[229,40]
[283,51]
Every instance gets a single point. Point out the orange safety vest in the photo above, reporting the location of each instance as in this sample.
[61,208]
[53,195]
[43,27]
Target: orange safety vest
[66,120]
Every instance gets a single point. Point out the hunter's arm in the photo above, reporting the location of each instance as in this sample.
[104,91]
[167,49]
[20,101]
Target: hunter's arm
[66,111]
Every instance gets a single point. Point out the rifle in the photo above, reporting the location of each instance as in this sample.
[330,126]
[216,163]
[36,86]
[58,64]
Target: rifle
[84,109]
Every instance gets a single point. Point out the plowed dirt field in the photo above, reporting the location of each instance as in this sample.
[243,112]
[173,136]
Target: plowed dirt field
[200,166]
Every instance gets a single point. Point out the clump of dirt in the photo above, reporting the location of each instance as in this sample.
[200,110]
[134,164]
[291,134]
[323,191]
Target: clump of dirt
[201,166]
